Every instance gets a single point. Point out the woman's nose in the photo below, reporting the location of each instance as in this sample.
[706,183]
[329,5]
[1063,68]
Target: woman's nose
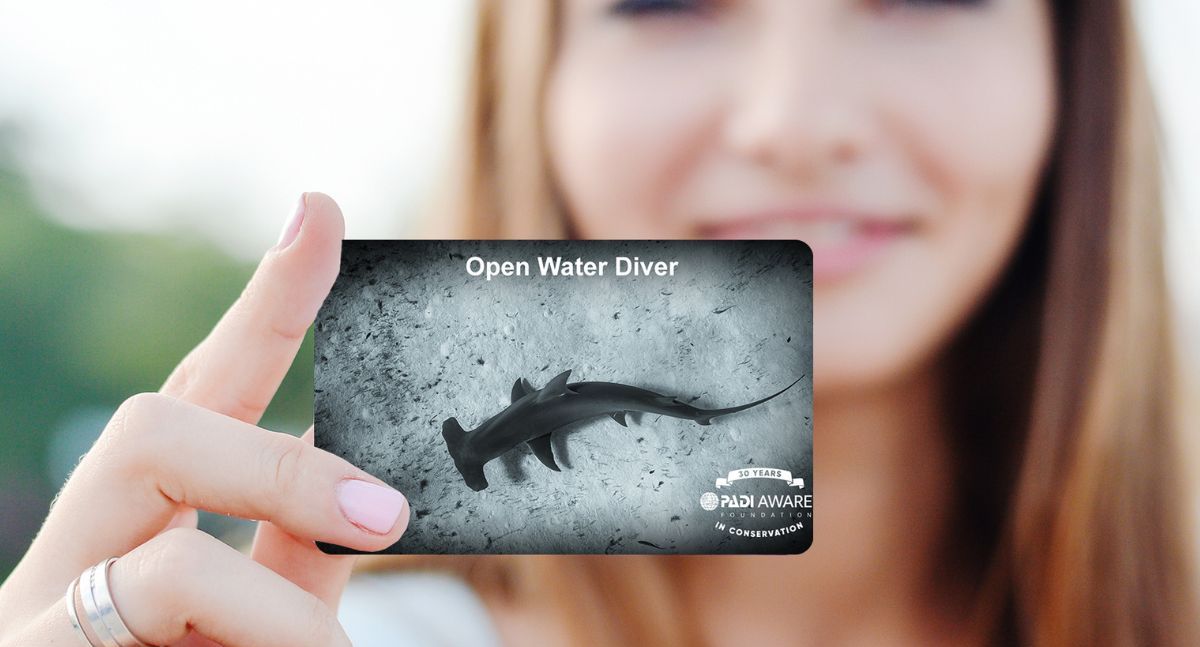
[795,105]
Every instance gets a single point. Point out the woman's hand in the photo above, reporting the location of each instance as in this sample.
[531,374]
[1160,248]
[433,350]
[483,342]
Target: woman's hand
[194,444]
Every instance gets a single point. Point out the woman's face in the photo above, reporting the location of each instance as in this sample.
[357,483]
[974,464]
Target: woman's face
[903,140]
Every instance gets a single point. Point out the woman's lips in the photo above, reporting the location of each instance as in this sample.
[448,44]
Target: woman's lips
[842,245]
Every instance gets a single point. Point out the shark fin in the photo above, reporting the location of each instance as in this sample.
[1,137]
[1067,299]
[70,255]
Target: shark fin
[541,449]
[666,400]
[619,416]
[555,387]
[521,388]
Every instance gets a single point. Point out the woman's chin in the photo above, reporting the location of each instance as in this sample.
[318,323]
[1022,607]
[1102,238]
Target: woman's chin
[848,375]
[869,349]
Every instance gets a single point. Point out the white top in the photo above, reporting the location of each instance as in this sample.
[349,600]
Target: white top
[415,609]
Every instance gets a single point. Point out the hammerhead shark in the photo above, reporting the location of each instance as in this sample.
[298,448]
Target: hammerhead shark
[535,413]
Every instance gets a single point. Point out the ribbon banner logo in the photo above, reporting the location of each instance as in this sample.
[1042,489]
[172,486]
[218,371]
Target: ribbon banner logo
[758,516]
[760,473]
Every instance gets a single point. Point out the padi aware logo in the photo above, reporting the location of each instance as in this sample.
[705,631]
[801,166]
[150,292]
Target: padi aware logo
[759,515]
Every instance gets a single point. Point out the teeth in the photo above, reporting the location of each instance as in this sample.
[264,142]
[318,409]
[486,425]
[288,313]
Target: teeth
[833,232]
[822,233]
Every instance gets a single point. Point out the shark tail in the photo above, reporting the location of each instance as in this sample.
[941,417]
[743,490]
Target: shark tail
[471,469]
[706,415]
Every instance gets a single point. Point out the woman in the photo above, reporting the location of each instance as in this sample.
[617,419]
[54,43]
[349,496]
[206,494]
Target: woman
[993,367]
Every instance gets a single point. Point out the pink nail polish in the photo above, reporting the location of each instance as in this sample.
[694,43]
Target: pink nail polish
[372,507]
[292,227]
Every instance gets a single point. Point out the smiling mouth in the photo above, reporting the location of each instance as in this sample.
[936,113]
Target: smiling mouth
[842,244]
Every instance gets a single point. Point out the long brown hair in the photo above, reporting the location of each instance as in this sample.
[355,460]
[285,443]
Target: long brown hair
[1070,511]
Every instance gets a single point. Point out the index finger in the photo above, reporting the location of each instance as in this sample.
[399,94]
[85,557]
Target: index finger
[237,368]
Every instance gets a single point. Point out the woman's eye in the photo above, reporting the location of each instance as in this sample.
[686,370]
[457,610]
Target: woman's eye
[931,4]
[635,8]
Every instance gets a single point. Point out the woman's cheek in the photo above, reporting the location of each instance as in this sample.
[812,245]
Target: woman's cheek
[961,136]
[621,141]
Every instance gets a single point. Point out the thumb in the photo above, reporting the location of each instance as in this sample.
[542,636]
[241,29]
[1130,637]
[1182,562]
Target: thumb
[300,561]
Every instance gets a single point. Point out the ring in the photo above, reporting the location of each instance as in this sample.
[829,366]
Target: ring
[74,615]
[99,609]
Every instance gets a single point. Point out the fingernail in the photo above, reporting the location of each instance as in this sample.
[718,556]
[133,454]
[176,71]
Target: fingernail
[372,507]
[292,227]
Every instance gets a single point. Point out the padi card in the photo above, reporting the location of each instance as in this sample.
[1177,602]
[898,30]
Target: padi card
[591,397]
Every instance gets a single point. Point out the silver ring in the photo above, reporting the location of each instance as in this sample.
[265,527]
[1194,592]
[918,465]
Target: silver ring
[101,612]
[91,609]
[74,615]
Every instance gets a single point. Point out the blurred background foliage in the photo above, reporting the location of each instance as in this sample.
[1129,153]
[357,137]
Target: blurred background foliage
[86,320]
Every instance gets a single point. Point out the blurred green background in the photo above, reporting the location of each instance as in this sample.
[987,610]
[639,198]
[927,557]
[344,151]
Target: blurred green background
[86,320]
